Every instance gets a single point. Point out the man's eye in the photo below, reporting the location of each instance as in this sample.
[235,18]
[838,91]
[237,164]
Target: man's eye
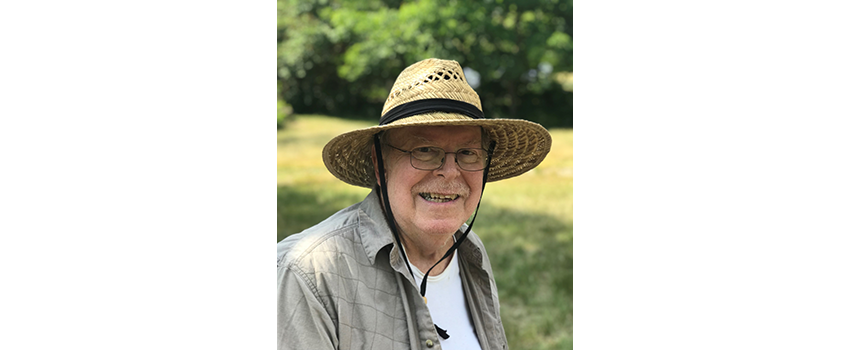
[424,149]
[468,152]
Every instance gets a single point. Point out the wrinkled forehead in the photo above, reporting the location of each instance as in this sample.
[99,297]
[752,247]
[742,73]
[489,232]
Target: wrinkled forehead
[457,135]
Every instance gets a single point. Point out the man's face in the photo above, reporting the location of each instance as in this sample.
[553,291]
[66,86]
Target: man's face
[412,192]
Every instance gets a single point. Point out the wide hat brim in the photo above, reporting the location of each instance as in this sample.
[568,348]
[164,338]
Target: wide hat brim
[520,146]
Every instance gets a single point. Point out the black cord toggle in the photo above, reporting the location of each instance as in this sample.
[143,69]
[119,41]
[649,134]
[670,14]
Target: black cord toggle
[442,332]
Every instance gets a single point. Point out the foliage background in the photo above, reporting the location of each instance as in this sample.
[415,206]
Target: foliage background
[342,57]
[337,61]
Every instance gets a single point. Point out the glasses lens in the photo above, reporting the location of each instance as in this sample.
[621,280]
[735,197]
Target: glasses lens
[428,158]
[471,158]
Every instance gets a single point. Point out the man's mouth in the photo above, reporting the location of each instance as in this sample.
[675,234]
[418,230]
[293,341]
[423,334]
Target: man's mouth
[438,198]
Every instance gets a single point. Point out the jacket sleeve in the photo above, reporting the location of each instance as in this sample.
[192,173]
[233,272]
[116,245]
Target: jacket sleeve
[302,321]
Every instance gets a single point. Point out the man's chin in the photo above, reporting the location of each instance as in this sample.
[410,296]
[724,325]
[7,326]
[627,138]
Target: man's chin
[440,227]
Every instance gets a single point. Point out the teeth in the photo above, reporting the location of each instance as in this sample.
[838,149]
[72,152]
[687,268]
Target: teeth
[433,197]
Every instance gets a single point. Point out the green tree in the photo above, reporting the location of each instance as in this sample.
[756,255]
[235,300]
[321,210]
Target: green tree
[342,57]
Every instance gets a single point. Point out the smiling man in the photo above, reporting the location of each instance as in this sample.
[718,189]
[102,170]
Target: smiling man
[402,269]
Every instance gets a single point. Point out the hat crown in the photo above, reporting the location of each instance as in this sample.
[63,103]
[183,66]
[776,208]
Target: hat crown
[429,79]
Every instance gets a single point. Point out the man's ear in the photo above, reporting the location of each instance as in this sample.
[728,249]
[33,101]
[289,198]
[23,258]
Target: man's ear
[375,165]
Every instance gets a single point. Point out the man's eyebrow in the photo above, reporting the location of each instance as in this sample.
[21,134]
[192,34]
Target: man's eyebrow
[421,139]
[471,143]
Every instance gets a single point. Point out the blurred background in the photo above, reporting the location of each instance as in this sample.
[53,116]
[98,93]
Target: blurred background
[337,61]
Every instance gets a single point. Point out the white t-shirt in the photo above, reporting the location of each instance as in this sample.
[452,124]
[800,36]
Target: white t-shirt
[448,306]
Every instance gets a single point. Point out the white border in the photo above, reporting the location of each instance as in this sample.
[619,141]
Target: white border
[137,203]
[711,175]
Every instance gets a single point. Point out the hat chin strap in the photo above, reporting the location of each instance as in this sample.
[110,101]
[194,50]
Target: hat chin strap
[394,229]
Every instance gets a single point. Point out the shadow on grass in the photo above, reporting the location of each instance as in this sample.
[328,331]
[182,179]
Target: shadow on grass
[531,254]
[300,208]
[532,260]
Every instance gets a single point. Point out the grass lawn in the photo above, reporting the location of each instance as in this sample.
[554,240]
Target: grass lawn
[525,223]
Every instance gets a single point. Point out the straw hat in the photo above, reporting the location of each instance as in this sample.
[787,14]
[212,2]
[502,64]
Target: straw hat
[434,92]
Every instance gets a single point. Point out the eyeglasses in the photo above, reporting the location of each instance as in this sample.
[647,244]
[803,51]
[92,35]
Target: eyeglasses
[432,158]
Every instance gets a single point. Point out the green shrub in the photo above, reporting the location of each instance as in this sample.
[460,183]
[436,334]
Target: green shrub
[284,110]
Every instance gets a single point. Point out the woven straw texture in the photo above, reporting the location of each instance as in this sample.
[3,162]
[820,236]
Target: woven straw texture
[520,144]
[431,78]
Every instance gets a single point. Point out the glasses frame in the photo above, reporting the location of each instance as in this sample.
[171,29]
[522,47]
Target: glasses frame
[443,161]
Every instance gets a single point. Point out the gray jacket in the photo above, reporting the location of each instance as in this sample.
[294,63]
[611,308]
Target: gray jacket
[343,285]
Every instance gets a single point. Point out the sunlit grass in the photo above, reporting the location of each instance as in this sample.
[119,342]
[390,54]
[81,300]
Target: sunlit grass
[525,223]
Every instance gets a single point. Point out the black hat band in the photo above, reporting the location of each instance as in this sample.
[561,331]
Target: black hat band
[430,105]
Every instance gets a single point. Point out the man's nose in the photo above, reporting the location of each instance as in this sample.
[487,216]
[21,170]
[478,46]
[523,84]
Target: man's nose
[449,167]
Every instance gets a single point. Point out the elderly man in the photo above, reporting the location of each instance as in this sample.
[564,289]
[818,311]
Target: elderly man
[402,269]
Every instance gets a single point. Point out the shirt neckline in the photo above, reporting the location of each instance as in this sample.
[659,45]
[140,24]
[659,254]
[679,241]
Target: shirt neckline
[450,270]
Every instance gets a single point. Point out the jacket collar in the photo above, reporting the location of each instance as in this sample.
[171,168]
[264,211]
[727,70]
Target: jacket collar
[374,232]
